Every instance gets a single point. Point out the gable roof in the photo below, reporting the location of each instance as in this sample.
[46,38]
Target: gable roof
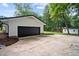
[8,18]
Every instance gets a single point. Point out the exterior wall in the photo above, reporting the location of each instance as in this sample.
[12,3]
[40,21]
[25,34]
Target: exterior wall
[71,31]
[25,21]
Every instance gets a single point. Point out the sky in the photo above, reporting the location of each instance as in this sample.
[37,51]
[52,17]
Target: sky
[8,9]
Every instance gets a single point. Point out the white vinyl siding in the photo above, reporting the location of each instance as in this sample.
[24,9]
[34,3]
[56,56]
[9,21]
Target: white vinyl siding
[71,31]
[24,21]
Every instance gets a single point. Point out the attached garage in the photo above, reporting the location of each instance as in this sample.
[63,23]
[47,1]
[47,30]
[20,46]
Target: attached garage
[23,26]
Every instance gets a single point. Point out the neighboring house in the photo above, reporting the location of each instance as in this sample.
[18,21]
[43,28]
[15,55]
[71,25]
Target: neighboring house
[23,26]
[71,30]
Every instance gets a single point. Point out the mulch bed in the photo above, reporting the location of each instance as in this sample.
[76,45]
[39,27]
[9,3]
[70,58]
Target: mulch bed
[10,41]
[5,40]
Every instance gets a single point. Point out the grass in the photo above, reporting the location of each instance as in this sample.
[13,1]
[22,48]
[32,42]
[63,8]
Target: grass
[51,33]
[1,31]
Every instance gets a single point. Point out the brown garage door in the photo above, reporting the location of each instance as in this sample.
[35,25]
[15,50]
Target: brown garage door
[28,31]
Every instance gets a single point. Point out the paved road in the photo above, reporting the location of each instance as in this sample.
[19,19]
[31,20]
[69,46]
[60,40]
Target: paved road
[46,45]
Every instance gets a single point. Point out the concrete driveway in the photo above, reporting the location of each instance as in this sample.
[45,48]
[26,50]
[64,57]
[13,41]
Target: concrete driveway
[44,45]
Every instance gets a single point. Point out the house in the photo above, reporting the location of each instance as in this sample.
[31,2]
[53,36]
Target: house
[71,30]
[23,26]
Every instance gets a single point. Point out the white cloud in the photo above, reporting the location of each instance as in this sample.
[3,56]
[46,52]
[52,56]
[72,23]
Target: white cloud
[5,4]
[41,14]
[40,7]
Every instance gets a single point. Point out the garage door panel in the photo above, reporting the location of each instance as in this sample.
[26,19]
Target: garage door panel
[28,31]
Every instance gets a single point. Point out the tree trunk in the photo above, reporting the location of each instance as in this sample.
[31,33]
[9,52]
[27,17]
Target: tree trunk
[65,20]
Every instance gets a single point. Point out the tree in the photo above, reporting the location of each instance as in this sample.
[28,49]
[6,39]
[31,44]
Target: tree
[75,21]
[50,25]
[59,10]
[1,23]
[23,9]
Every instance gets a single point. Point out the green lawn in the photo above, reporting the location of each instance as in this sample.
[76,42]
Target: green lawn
[51,33]
[1,31]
